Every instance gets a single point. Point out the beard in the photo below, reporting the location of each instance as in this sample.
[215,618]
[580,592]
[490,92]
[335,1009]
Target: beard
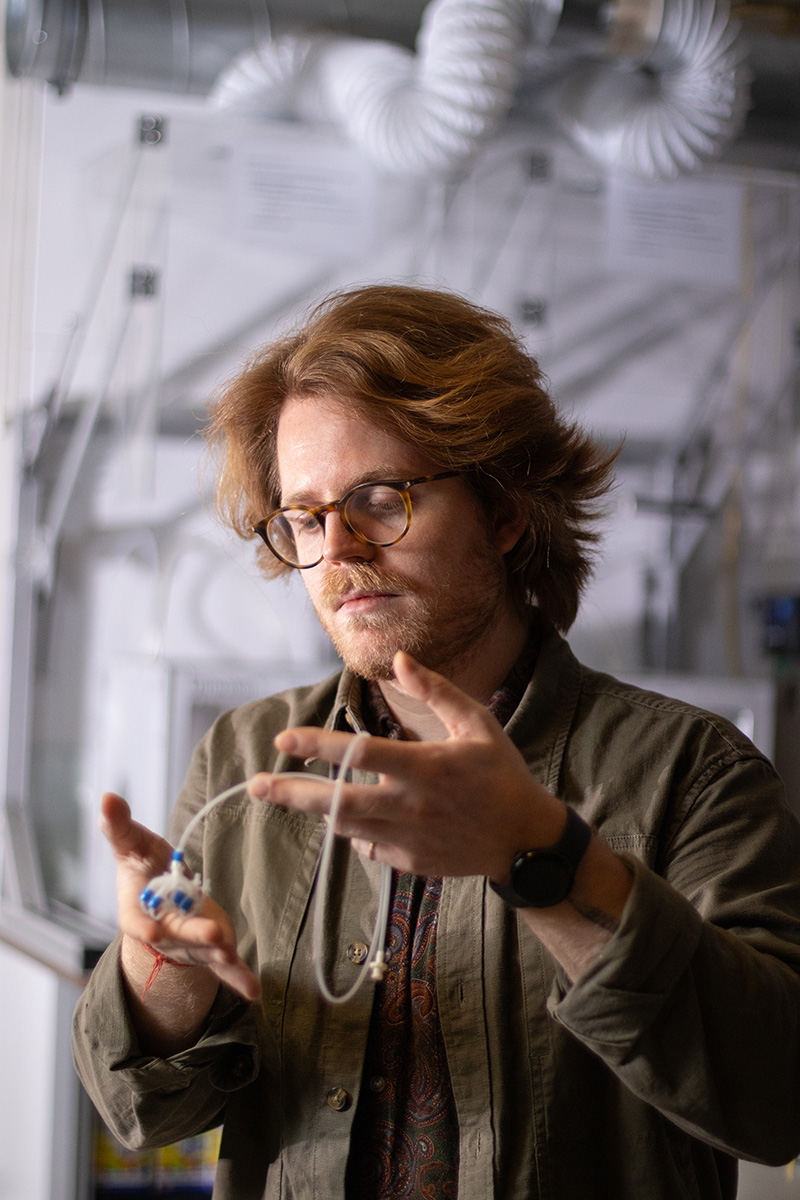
[442,629]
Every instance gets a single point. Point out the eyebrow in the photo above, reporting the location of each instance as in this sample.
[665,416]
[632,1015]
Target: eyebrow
[378,475]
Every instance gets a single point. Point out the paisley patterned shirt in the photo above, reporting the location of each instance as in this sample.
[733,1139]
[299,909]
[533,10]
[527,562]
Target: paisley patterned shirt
[404,1143]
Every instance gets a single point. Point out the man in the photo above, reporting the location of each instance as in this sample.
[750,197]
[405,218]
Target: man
[593,984]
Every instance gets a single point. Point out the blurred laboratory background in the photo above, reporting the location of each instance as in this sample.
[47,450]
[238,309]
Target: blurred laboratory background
[179,180]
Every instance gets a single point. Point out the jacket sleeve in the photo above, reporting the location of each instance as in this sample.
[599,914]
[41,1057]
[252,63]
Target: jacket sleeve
[695,1001]
[148,1101]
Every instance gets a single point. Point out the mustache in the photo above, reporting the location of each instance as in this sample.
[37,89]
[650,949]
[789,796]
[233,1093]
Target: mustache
[361,577]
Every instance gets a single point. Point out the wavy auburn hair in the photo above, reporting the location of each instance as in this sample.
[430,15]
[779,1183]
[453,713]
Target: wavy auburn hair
[435,370]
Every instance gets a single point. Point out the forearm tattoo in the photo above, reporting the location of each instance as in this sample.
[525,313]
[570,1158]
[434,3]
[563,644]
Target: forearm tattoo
[595,915]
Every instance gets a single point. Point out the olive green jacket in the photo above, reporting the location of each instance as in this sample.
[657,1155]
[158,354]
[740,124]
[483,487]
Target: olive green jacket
[678,1049]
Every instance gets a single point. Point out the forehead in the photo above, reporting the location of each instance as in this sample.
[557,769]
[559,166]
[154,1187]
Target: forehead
[325,446]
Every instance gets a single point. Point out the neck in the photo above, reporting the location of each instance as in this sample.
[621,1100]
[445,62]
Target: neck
[479,675]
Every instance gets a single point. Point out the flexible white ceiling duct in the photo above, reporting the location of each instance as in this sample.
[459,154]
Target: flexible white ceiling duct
[679,107]
[410,112]
[667,112]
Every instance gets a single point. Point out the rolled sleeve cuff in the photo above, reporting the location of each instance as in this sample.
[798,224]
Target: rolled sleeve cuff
[226,1050]
[619,997]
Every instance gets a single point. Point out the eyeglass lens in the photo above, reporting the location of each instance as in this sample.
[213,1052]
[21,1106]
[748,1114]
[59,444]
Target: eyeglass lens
[377,513]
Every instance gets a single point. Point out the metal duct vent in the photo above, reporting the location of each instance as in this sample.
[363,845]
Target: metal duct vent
[174,45]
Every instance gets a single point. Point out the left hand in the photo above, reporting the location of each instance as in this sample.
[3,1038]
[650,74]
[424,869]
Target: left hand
[462,806]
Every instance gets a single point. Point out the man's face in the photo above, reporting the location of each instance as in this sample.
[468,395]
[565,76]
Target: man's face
[436,592]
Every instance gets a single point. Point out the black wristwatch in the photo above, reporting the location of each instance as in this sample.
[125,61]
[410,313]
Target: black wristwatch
[544,877]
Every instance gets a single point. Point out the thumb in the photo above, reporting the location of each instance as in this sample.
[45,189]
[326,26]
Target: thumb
[115,816]
[461,716]
[126,836]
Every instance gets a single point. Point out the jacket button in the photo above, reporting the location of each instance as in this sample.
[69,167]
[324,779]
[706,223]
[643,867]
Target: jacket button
[338,1099]
[357,952]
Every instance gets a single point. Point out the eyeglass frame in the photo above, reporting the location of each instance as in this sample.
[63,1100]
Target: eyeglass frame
[401,486]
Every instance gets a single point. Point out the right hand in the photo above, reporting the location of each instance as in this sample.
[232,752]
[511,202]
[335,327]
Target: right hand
[207,940]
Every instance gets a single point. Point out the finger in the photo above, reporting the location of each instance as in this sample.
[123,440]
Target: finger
[240,979]
[197,933]
[388,854]
[227,967]
[463,717]
[205,940]
[367,849]
[115,815]
[125,835]
[315,796]
[204,935]
[235,974]
[359,806]
[202,941]
[376,755]
[309,742]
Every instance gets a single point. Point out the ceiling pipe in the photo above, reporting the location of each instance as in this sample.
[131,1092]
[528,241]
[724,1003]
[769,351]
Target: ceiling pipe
[175,45]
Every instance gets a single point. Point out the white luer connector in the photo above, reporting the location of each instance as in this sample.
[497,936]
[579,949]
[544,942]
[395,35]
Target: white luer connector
[174,891]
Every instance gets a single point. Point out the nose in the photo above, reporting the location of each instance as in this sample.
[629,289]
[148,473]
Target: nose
[340,544]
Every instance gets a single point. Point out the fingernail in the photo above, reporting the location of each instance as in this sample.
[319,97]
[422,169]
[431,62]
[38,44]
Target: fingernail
[259,785]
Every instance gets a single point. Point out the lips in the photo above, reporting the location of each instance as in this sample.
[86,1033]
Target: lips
[361,601]
[360,588]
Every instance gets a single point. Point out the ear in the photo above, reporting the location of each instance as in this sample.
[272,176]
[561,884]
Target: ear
[509,527]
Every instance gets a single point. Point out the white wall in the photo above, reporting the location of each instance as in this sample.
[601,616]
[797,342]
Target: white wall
[40,1115]
[28,1006]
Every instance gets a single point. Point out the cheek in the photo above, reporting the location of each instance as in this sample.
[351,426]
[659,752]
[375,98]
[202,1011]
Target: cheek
[312,583]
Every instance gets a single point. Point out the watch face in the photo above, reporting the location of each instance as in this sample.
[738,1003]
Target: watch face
[544,877]
[541,879]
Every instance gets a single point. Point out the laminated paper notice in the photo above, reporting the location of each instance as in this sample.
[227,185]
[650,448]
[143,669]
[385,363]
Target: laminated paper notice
[301,190]
[689,230]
